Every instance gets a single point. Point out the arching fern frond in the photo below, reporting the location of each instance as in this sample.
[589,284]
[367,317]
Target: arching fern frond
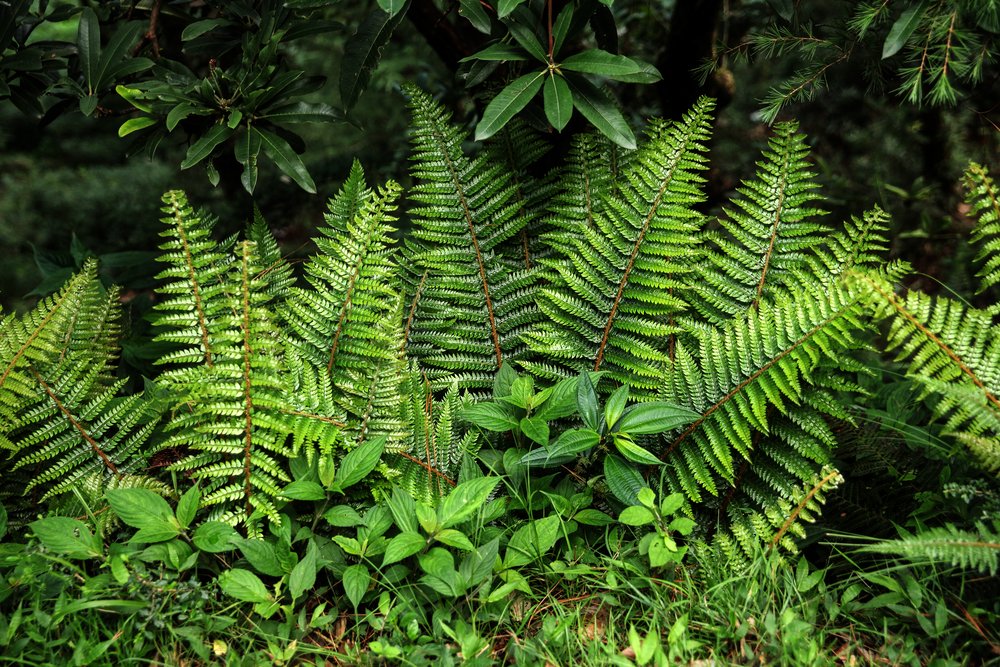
[591,169]
[768,232]
[977,549]
[616,285]
[953,352]
[983,196]
[472,307]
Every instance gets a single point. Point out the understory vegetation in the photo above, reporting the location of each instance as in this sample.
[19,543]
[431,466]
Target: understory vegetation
[571,418]
[595,356]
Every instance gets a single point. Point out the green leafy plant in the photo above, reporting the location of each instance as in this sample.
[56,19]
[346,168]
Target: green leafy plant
[659,546]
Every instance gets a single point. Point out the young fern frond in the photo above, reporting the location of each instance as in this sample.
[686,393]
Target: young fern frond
[953,351]
[983,197]
[472,307]
[977,549]
[343,326]
[592,167]
[617,285]
[768,234]
[230,420]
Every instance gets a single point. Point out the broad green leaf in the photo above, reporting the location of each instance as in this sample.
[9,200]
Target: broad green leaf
[636,515]
[465,500]
[541,458]
[473,11]
[655,417]
[243,585]
[508,102]
[526,37]
[403,546]
[67,537]
[403,508]
[302,112]
[586,402]
[362,53]
[391,7]
[187,506]
[783,8]
[558,101]
[359,462]
[495,417]
[671,504]
[591,517]
[215,537]
[141,508]
[615,406]
[561,27]
[682,525]
[623,479]
[134,97]
[199,28]
[135,124]
[536,429]
[247,149]
[88,47]
[202,148]
[503,381]
[110,65]
[645,73]
[343,516]
[180,112]
[646,497]
[262,556]
[498,52]
[532,541]
[287,160]
[454,538]
[505,7]
[303,575]
[562,401]
[427,518]
[522,390]
[574,441]
[902,29]
[88,104]
[599,110]
[602,63]
[356,581]
[634,452]
[303,490]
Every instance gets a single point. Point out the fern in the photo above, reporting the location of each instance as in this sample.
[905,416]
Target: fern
[768,236]
[617,284]
[592,166]
[472,306]
[977,549]
[953,352]
[348,325]
[983,197]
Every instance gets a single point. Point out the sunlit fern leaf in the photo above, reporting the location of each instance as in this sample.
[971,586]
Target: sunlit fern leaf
[338,322]
[519,147]
[861,243]
[472,307]
[38,340]
[281,275]
[767,234]
[617,285]
[429,464]
[766,373]
[193,286]
[230,419]
[587,177]
[977,549]
[983,197]
[953,353]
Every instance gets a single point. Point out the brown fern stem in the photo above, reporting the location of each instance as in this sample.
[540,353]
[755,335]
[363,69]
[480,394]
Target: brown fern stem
[195,288]
[429,468]
[247,396]
[413,311]
[77,425]
[494,333]
[901,309]
[774,233]
[801,506]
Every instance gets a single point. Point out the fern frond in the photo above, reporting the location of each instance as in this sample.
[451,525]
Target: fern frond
[983,197]
[953,351]
[769,232]
[967,549]
[860,244]
[229,417]
[588,176]
[473,307]
[617,285]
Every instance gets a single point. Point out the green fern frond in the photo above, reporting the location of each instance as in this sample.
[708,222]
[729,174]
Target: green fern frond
[473,307]
[279,272]
[967,549]
[592,167]
[860,244]
[229,417]
[769,233]
[194,286]
[983,197]
[953,352]
[617,285]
